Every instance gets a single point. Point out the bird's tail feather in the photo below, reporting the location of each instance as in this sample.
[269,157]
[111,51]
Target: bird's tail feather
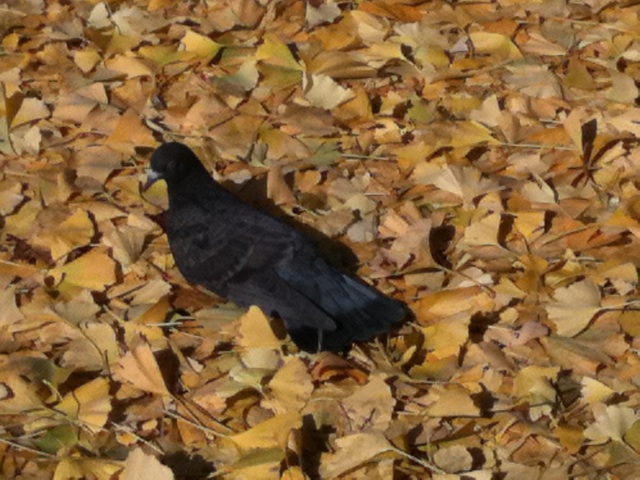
[360,312]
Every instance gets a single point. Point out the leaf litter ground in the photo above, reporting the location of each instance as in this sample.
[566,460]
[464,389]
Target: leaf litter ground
[480,159]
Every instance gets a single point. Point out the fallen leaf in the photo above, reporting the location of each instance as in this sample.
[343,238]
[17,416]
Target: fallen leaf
[142,465]
[94,271]
[611,423]
[268,434]
[89,404]
[290,388]
[323,92]
[139,368]
[574,307]
[353,451]
[31,109]
[256,332]
[370,407]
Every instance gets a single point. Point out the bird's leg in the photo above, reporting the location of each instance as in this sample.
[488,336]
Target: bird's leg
[319,340]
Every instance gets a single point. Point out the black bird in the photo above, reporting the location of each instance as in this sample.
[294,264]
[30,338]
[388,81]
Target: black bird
[244,254]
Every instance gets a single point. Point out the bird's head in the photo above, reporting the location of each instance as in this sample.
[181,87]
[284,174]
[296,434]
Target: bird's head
[171,162]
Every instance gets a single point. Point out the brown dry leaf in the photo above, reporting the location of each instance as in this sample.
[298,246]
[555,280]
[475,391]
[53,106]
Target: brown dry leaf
[628,121]
[316,14]
[139,368]
[10,196]
[353,451]
[575,354]
[141,465]
[534,80]
[371,406]
[79,309]
[21,223]
[97,162]
[10,312]
[539,191]
[574,307]
[530,224]
[93,352]
[488,113]
[411,238]
[277,188]
[17,395]
[623,88]
[75,106]
[400,11]
[570,437]
[454,459]
[329,366]
[449,401]
[87,59]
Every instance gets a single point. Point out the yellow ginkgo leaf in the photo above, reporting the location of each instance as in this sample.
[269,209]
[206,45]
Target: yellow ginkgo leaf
[201,46]
[322,91]
[89,404]
[275,52]
[270,433]
[130,132]
[31,109]
[534,384]
[256,332]
[612,422]
[71,468]
[574,307]
[93,270]
[352,451]
[450,401]
[76,231]
[139,368]
[17,395]
[291,386]
[495,44]
[143,465]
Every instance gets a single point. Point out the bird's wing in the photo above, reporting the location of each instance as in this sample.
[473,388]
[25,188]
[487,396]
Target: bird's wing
[207,251]
[235,252]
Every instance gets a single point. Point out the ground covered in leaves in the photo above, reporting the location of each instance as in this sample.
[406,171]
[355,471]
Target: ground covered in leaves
[480,159]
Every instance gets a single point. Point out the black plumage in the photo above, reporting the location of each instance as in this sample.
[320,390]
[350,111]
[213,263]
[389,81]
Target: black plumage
[250,257]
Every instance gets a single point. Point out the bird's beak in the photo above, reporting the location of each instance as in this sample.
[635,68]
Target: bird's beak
[152,177]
